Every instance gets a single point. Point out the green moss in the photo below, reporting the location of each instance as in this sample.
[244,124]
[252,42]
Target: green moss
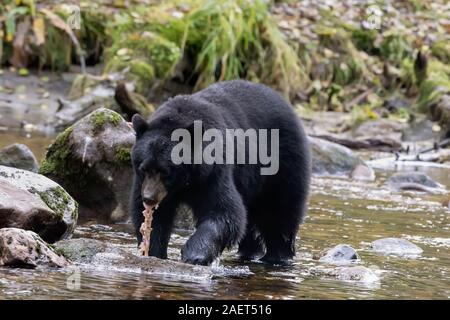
[100,118]
[57,154]
[115,118]
[364,39]
[75,212]
[123,155]
[38,248]
[60,252]
[56,199]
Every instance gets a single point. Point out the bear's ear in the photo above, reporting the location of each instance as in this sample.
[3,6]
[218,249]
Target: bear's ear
[139,124]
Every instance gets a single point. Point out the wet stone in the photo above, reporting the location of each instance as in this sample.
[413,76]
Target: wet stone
[355,273]
[25,249]
[340,254]
[98,254]
[363,173]
[332,159]
[414,181]
[396,246]
[18,156]
[33,202]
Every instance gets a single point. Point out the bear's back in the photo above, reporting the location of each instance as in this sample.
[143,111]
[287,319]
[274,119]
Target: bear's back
[247,104]
[229,104]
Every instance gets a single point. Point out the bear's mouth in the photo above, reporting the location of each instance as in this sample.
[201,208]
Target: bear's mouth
[150,208]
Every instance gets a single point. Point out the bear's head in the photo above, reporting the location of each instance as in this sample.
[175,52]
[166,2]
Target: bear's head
[152,163]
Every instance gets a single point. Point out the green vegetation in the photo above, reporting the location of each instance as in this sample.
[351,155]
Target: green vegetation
[324,60]
[57,154]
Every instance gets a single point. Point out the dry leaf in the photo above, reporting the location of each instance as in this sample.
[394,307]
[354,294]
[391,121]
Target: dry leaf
[39,30]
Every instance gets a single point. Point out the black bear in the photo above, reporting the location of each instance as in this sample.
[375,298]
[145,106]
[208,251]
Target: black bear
[233,202]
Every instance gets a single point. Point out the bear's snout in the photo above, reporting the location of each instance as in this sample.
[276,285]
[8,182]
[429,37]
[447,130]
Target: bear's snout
[153,190]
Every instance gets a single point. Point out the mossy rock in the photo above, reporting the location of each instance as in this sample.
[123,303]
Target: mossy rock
[92,160]
[37,204]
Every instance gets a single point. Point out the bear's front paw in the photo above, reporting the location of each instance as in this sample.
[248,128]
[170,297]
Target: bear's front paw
[195,257]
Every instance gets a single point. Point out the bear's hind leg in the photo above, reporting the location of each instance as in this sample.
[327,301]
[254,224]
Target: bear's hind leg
[280,248]
[251,247]
[279,224]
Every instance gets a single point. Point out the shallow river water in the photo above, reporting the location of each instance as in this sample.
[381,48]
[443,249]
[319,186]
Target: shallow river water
[340,211]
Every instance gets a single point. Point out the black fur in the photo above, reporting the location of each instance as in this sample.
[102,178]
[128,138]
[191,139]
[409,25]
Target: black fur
[232,204]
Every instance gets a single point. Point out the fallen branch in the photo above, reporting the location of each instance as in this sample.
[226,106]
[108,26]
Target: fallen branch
[444,143]
[372,144]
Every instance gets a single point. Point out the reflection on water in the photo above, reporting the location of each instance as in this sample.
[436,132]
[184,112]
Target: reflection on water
[341,211]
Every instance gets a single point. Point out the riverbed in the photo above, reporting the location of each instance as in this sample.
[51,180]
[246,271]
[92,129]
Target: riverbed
[341,211]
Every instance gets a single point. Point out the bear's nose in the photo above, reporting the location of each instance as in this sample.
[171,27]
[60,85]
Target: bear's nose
[150,201]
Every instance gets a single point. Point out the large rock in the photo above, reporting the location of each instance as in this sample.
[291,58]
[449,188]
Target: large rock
[396,246]
[25,249]
[100,254]
[414,181]
[18,156]
[86,102]
[92,161]
[330,158]
[383,129]
[34,202]
[420,130]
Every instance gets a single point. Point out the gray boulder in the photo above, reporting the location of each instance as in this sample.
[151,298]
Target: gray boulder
[25,249]
[18,156]
[340,254]
[414,181]
[382,129]
[396,246]
[33,202]
[330,158]
[92,161]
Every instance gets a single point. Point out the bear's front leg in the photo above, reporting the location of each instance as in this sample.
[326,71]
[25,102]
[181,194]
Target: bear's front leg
[205,245]
[221,224]
[162,222]
[162,225]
